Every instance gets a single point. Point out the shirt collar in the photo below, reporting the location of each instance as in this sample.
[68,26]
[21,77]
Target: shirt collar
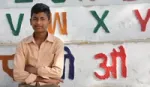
[49,38]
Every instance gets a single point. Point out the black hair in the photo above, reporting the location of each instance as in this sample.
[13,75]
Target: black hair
[40,7]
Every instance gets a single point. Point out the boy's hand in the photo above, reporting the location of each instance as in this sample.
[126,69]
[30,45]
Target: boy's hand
[31,69]
[49,81]
[53,81]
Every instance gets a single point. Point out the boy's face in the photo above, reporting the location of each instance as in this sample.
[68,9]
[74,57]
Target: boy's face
[39,22]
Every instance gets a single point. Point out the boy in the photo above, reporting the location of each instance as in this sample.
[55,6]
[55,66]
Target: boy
[39,58]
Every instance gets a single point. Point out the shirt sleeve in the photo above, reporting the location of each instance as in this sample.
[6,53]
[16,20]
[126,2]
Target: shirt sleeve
[19,73]
[56,70]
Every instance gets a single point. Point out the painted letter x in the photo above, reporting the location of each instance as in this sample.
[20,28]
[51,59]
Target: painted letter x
[100,21]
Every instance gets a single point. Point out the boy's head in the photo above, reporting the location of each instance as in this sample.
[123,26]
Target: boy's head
[40,7]
[40,17]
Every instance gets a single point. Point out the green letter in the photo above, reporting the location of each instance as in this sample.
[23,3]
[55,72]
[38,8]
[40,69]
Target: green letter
[15,32]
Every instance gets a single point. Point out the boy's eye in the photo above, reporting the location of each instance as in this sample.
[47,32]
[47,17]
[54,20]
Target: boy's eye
[34,18]
[42,18]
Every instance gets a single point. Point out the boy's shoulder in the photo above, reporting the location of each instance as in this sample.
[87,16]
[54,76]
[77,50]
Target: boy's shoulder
[57,40]
[26,39]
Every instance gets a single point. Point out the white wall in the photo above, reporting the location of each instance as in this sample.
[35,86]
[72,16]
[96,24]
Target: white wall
[137,62]
[121,22]
[70,3]
[124,29]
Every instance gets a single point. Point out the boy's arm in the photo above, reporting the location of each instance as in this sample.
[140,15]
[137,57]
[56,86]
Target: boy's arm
[19,72]
[33,70]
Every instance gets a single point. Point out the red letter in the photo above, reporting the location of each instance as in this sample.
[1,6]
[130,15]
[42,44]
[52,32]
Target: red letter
[114,56]
[5,59]
[112,68]
[142,22]
[103,65]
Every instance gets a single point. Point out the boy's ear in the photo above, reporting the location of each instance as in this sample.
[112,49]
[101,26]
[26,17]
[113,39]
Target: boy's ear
[49,20]
[30,21]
